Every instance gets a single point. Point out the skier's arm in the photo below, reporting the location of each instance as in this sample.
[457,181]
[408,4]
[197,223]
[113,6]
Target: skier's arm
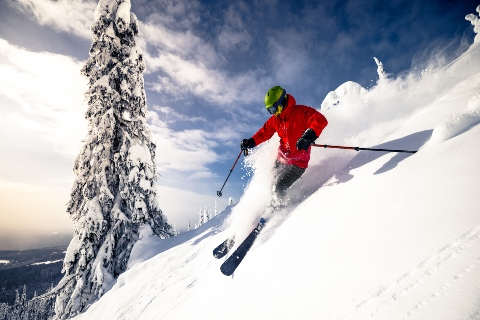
[265,132]
[316,121]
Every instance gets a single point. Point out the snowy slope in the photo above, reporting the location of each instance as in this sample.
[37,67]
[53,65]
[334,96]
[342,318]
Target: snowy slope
[369,235]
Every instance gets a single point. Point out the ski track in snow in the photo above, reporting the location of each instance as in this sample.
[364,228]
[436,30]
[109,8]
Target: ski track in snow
[475,316]
[385,298]
[180,273]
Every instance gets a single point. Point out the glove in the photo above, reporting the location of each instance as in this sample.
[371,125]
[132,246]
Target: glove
[307,138]
[247,144]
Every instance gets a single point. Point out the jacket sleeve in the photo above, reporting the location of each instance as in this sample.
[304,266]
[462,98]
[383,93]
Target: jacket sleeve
[315,120]
[265,132]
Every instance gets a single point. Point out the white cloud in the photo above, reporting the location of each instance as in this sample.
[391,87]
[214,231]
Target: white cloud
[215,85]
[234,35]
[193,76]
[72,16]
[188,150]
[230,39]
[289,53]
[157,37]
[42,95]
[169,115]
[187,62]
[176,14]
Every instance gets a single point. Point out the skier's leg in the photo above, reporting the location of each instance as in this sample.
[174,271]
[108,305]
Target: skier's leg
[285,176]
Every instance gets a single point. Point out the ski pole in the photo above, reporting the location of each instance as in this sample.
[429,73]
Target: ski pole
[245,153]
[358,148]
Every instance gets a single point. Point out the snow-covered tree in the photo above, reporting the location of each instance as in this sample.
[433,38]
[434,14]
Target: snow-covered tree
[113,193]
[207,214]
[475,21]
[204,215]
[200,219]
[381,72]
[176,231]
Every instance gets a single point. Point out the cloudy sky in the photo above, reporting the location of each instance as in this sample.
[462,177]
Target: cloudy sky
[209,64]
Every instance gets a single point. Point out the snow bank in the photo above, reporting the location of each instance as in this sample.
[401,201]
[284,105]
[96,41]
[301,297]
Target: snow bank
[46,262]
[458,122]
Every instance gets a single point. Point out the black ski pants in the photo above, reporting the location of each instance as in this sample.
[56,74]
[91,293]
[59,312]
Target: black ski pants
[284,176]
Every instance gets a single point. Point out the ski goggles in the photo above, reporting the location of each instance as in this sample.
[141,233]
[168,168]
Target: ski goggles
[273,109]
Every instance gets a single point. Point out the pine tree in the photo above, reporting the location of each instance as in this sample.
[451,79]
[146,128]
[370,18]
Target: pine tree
[113,193]
[206,214]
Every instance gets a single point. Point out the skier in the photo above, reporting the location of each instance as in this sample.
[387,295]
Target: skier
[298,126]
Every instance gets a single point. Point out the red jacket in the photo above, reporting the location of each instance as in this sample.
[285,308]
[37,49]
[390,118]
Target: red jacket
[290,125]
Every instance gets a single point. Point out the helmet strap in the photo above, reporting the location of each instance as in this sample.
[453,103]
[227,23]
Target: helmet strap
[279,110]
[282,104]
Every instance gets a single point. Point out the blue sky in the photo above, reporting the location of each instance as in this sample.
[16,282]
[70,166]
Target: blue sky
[209,64]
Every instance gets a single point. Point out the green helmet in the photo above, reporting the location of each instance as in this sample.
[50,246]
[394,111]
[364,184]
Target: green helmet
[274,99]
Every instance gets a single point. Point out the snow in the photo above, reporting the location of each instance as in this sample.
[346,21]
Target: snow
[476,24]
[104,6]
[45,262]
[139,154]
[367,235]
[123,16]
[348,90]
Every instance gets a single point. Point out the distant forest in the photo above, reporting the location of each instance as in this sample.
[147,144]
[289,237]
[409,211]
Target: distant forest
[38,279]
[26,268]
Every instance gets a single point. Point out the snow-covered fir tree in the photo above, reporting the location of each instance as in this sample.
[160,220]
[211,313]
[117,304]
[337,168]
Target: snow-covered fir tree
[175,231]
[113,193]
[204,215]
[207,214]
[382,75]
[200,219]
[475,21]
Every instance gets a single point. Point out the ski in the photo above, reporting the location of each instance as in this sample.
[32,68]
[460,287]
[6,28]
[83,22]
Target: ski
[222,249]
[231,264]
